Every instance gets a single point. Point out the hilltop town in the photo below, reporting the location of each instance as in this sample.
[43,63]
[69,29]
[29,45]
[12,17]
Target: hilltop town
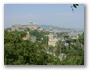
[53,32]
[56,42]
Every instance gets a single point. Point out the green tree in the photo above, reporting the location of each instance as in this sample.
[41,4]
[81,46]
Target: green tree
[74,6]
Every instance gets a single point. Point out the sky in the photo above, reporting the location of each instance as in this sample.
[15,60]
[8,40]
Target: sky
[60,15]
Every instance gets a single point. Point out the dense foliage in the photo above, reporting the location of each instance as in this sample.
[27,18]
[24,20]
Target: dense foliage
[24,52]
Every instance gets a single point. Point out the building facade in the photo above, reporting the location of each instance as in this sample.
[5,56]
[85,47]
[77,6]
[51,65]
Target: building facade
[52,40]
[20,27]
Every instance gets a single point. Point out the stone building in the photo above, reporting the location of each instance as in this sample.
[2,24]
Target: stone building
[20,27]
[52,39]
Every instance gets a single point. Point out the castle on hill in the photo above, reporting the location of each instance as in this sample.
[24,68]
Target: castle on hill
[20,27]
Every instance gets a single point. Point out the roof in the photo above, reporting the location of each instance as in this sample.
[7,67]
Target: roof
[26,37]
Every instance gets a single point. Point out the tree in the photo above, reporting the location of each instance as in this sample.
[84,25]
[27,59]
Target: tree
[24,52]
[74,6]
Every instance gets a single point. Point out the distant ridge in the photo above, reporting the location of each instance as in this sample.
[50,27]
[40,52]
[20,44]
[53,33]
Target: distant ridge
[54,27]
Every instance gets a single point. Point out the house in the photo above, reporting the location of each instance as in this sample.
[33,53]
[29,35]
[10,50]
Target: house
[26,37]
[52,39]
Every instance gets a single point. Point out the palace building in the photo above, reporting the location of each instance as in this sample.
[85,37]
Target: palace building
[20,27]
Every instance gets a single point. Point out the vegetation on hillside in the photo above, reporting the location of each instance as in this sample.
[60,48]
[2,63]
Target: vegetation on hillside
[24,52]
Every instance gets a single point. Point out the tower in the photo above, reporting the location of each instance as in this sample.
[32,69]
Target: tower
[31,22]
